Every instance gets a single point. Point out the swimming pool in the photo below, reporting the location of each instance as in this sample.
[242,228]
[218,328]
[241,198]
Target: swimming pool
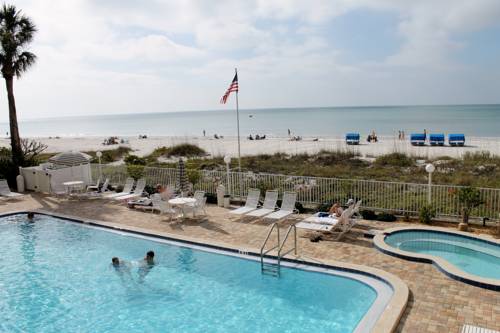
[55,276]
[465,257]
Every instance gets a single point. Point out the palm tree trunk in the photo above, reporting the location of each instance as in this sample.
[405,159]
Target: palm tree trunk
[15,140]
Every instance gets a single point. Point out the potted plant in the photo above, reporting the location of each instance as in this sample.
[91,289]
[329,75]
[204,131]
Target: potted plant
[469,198]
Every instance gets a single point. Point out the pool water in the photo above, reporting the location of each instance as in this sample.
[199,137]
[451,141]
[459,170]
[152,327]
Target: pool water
[55,276]
[473,256]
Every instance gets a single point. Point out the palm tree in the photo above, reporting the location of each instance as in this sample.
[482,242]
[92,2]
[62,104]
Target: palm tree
[16,33]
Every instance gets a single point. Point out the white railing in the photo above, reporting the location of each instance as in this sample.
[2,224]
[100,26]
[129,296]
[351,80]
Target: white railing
[395,197]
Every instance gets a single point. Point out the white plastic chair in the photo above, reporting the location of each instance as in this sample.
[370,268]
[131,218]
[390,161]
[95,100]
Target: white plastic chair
[94,187]
[269,204]
[250,204]
[127,189]
[287,207]
[5,191]
[198,206]
[136,192]
[162,206]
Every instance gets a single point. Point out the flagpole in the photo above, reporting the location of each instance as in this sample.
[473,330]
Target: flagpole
[239,146]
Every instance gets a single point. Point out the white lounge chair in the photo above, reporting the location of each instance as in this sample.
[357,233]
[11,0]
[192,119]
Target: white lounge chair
[343,224]
[98,192]
[287,207]
[250,204]
[5,191]
[94,187]
[355,210]
[136,192]
[127,189]
[269,205]
[476,329]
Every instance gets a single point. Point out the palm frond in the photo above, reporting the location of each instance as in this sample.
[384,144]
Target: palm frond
[24,61]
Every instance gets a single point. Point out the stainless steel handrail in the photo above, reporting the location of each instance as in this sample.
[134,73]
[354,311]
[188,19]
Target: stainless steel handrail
[280,255]
[262,253]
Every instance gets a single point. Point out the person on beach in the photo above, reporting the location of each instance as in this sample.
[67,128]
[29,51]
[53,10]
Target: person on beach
[289,132]
[336,210]
[204,133]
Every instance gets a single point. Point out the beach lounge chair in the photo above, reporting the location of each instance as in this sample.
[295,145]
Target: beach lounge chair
[127,189]
[417,139]
[345,224]
[5,191]
[94,187]
[476,329]
[456,140]
[352,138]
[250,204]
[436,139]
[287,207]
[357,206]
[269,205]
[136,192]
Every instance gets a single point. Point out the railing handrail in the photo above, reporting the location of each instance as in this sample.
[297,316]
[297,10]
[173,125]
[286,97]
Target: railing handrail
[280,255]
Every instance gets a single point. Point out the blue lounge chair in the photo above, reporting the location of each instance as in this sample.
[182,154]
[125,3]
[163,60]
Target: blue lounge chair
[456,139]
[436,139]
[352,138]
[417,139]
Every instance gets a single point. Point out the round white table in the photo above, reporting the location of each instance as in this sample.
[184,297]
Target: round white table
[181,202]
[73,185]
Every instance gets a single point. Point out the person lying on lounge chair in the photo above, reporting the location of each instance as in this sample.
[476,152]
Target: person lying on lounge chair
[336,210]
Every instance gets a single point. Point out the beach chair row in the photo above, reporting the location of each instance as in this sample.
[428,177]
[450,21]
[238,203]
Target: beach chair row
[419,139]
[269,208]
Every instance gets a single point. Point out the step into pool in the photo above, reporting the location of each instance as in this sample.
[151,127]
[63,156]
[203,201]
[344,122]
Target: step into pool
[55,276]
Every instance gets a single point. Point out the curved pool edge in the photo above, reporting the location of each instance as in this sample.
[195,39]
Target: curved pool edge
[441,264]
[387,321]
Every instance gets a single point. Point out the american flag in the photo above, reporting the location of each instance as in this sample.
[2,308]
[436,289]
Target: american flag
[232,87]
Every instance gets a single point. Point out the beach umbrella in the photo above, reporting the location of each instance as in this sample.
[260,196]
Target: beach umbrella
[182,177]
[70,159]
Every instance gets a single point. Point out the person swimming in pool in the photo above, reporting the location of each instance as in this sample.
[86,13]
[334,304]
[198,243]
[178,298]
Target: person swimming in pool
[145,265]
[121,267]
[31,216]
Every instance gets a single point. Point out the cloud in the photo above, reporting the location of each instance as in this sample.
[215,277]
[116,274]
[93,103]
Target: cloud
[133,56]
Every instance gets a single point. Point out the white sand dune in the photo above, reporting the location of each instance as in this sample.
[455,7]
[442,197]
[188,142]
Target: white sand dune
[228,145]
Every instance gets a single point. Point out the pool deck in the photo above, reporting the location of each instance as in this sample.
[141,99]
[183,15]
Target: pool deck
[437,303]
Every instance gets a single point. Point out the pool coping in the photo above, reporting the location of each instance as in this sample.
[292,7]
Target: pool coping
[387,321]
[441,264]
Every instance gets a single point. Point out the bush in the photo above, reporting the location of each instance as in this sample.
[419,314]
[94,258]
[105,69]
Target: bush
[386,217]
[395,159]
[185,150]
[368,214]
[135,160]
[211,198]
[135,171]
[426,214]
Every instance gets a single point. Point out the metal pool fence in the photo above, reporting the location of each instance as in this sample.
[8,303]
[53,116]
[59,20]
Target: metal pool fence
[393,197]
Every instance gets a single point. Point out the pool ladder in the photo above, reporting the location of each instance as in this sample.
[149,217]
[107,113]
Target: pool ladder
[270,266]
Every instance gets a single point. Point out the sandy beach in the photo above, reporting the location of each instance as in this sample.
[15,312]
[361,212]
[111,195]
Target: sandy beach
[228,145]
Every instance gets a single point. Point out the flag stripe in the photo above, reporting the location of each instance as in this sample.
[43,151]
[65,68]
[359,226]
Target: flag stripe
[233,87]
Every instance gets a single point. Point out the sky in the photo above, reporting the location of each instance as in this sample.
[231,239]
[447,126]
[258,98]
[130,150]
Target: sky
[132,56]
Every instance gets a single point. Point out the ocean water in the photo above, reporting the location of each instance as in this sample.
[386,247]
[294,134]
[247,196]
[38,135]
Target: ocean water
[472,120]
[55,276]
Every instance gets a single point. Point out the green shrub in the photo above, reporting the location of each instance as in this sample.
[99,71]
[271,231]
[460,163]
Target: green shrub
[395,159]
[469,198]
[135,171]
[194,176]
[368,214]
[135,160]
[426,214]
[386,217]
[185,150]
[211,198]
